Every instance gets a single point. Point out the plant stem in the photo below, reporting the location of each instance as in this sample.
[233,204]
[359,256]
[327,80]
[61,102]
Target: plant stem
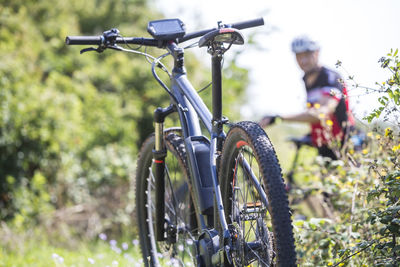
[355,253]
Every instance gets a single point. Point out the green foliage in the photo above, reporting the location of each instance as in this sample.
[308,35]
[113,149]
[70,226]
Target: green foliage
[58,109]
[364,229]
[390,100]
[364,189]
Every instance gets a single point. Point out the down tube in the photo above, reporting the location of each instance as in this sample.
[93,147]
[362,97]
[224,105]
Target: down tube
[205,115]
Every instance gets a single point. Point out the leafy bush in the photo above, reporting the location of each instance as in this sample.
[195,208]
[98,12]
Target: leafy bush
[364,188]
[390,100]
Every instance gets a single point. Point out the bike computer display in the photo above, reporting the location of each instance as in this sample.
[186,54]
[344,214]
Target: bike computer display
[166,29]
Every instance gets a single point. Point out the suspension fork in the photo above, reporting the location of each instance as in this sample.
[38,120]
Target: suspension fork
[159,155]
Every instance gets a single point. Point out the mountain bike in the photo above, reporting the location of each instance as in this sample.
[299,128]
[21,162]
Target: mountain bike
[217,201]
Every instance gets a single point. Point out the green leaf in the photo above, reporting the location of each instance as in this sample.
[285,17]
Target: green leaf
[363,245]
[394,228]
[386,219]
[382,101]
[396,97]
[396,221]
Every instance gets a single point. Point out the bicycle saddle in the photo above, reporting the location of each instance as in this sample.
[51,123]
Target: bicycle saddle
[224,35]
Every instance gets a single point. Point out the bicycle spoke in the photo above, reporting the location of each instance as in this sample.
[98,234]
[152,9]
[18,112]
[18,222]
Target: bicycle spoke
[248,210]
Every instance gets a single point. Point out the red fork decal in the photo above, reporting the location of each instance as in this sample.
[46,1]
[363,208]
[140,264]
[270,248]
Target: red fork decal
[241,143]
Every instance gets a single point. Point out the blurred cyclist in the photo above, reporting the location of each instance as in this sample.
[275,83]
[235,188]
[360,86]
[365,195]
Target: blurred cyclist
[327,103]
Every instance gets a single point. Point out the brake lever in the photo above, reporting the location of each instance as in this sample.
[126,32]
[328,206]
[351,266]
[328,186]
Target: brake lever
[89,49]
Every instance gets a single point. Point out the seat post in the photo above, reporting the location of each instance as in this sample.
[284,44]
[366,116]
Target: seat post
[217,124]
[216,87]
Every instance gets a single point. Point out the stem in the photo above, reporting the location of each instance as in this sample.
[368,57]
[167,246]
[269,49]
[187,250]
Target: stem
[355,253]
[353,204]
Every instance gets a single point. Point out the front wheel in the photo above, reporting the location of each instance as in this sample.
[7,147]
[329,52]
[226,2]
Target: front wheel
[180,221]
[255,200]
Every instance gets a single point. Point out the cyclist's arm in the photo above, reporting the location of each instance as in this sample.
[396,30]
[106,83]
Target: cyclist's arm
[327,105]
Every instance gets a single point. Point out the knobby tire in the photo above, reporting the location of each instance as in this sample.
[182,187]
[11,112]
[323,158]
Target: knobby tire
[270,226]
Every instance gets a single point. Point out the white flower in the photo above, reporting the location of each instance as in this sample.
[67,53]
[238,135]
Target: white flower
[125,246]
[91,260]
[135,242]
[116,249]
[113,243]
[103,236]
[57,258]
[129,257]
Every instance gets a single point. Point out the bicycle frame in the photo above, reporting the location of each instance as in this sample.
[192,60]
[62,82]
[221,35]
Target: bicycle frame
[190,108]
[202,154]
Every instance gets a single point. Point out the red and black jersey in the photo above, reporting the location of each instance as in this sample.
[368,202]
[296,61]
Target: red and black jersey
[334,126]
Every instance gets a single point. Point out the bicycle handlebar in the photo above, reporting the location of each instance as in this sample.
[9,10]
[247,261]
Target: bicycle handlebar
[100,40]
[238,25]
[248,24]
[83,40]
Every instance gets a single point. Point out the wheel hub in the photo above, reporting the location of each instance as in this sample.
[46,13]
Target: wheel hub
[238,244]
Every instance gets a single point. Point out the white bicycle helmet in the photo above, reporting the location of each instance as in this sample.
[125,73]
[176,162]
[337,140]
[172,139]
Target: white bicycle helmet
[304,44]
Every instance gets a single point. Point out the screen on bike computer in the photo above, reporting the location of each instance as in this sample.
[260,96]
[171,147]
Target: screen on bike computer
[166,29]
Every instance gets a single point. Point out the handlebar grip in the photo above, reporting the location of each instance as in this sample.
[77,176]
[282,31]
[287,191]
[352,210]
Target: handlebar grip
[248,24]
[83,40]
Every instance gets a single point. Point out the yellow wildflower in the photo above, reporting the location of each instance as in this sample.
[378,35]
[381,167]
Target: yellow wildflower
[341,264]
[370,134]
[330,264]
[351,151]
[329,122]
[308,104]
[388,132]
[397,178]
[378,137]
[395,148]
[365,151]
[321,115]
[317,105]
